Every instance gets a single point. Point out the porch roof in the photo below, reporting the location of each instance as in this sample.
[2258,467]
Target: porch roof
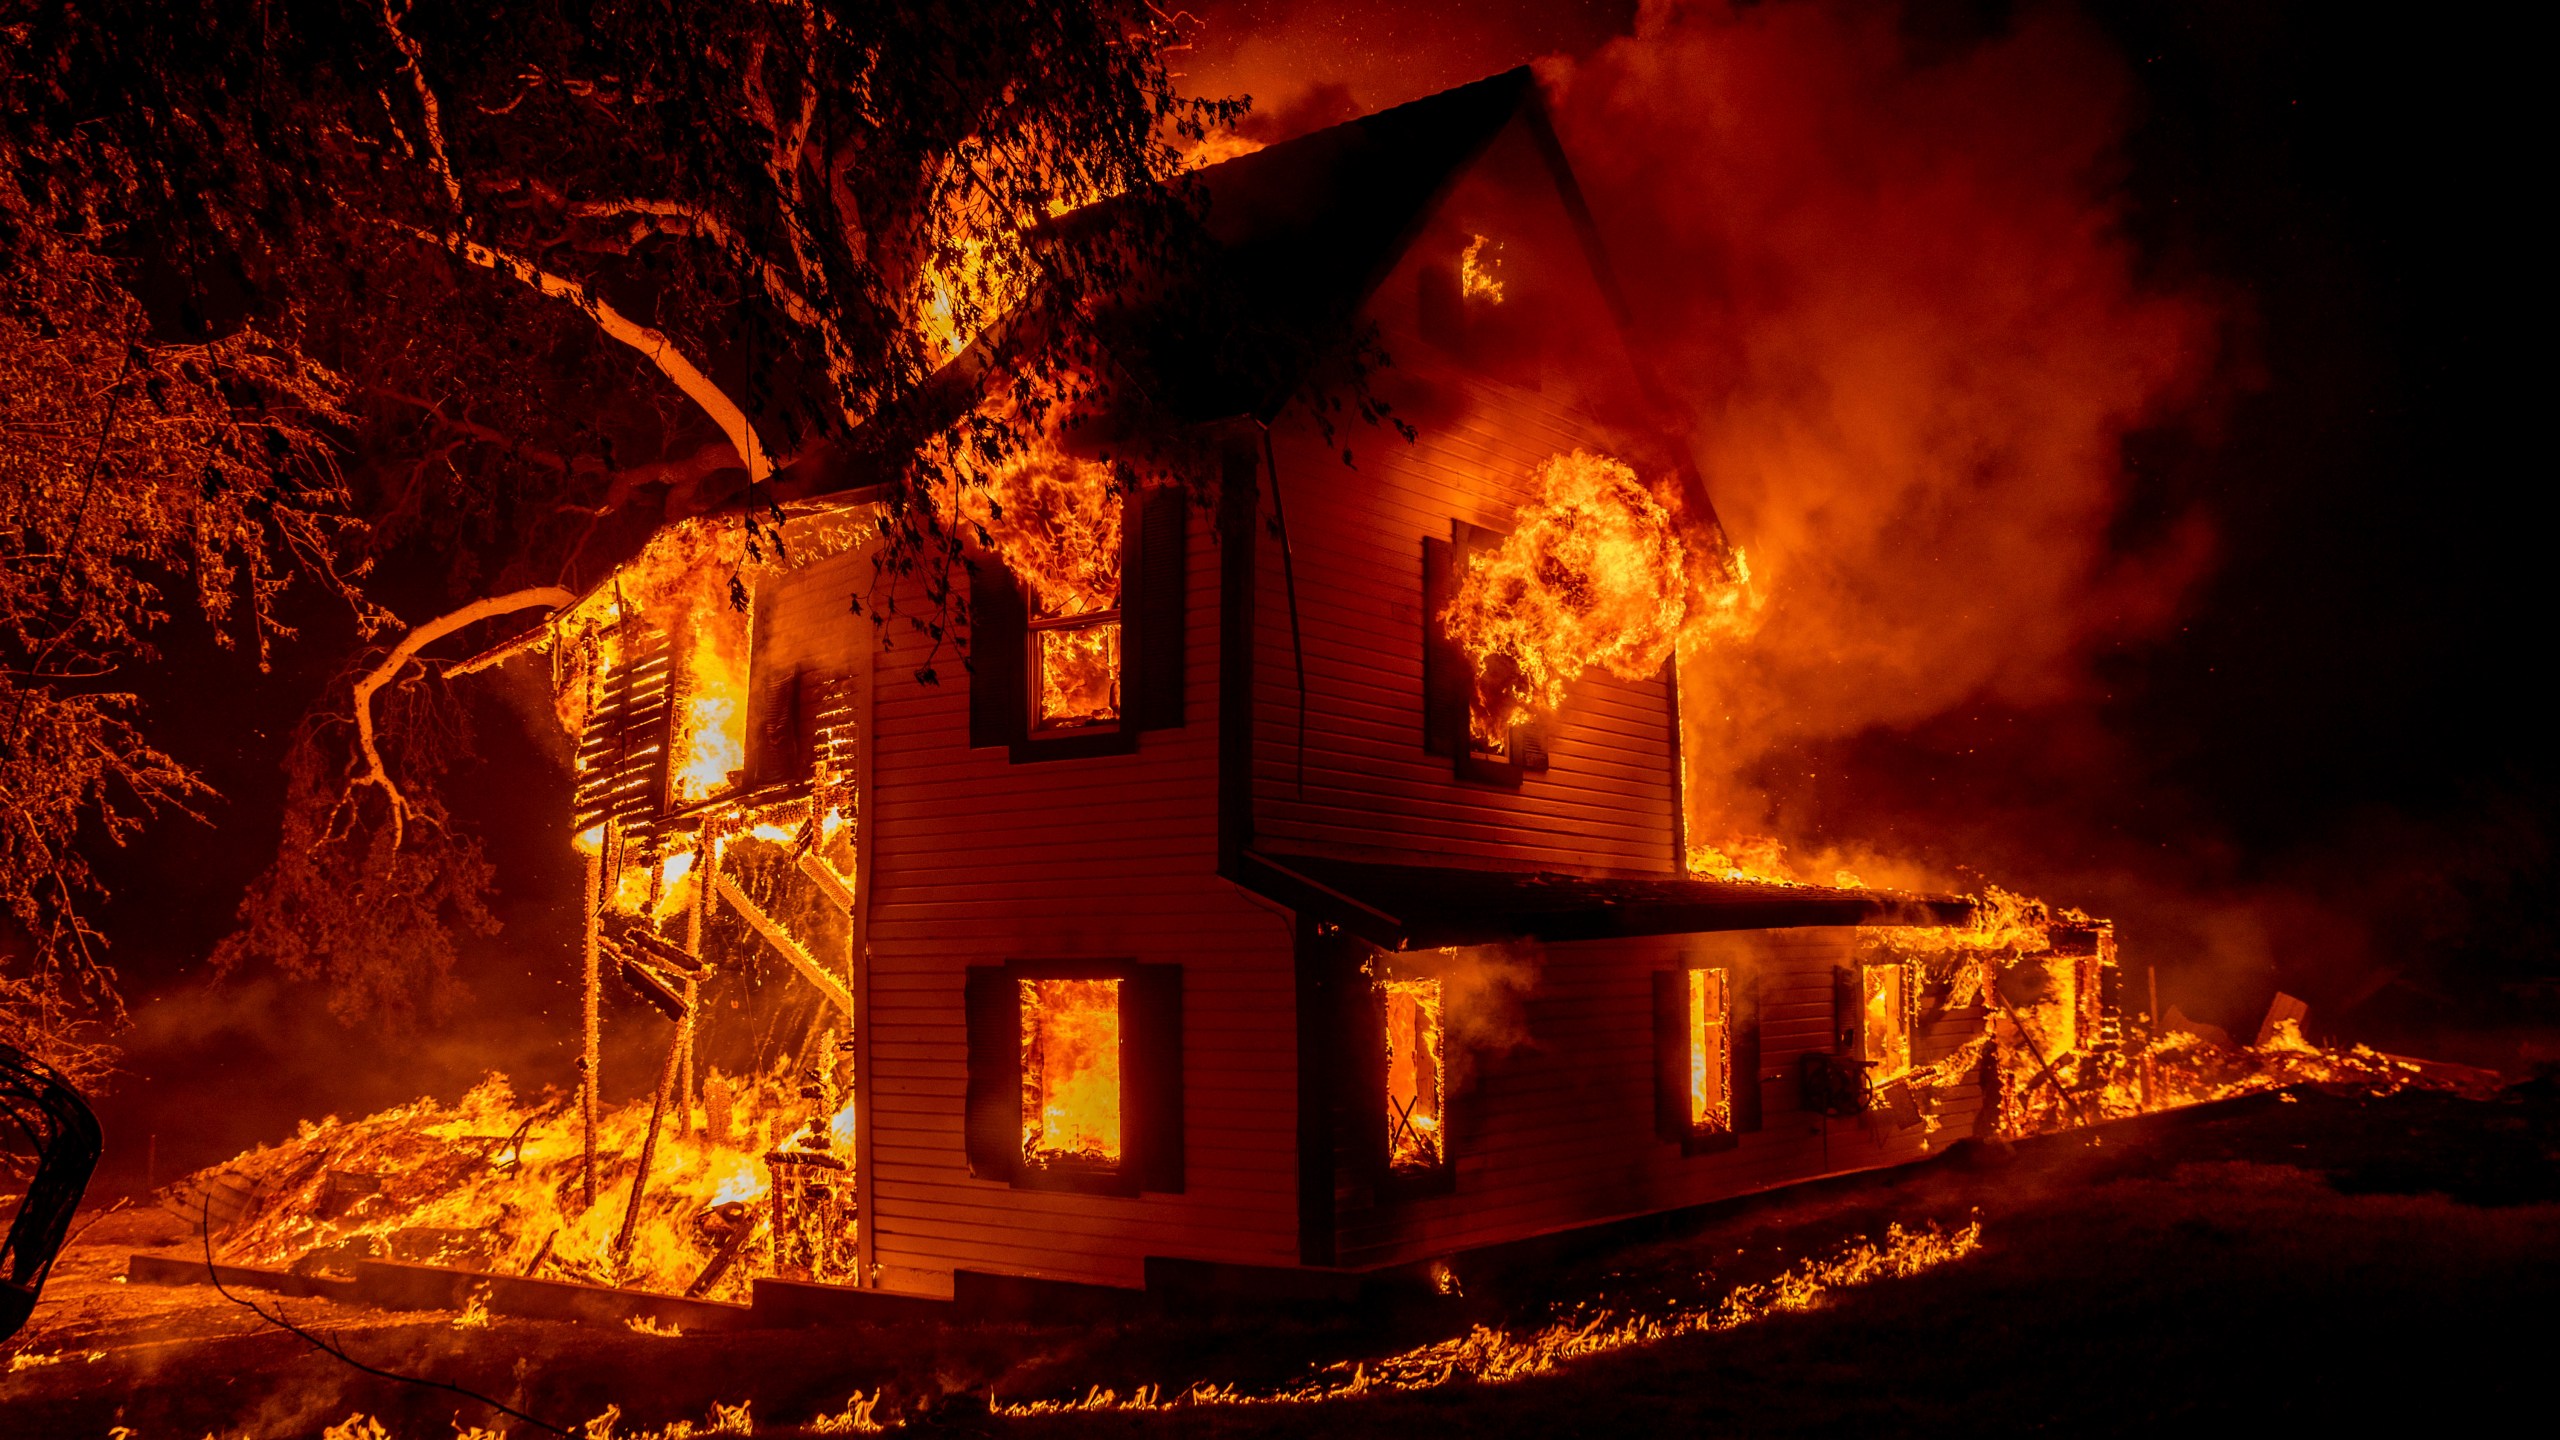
[1417,907]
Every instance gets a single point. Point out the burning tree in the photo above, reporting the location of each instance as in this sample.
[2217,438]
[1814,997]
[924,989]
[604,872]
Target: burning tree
[539,283]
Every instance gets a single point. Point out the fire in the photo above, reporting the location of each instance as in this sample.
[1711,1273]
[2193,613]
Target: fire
[1595,574]
[1480,271]
[1071,1071]
[1054,520]
[1414,1069]
[1487,1356]
[1886,1019]
[1710,1107]
[711,716]
[1079,676]
[490,1183]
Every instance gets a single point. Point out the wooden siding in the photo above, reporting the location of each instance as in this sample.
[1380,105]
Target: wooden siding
[1361,784]
[1557,1130]
[976,860]
[1555,378]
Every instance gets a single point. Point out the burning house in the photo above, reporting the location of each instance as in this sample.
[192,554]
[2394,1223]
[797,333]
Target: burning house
[1291,882]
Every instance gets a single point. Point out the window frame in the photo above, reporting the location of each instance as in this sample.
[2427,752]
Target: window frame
[1152,1102]
[1674,1031]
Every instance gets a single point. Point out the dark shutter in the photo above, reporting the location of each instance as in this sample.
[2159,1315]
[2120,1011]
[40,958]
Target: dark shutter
[781,728]
[1848,1011]
[997,619]
[1151,1054]
[1743,1038]
[1365,1057]
[1152,609]
[1447,679]
[1671,1054]
[994,1123]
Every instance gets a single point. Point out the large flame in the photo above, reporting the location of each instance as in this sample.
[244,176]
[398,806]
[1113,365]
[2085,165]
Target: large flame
[1071,1071]
[1710,1052]
[1595,574]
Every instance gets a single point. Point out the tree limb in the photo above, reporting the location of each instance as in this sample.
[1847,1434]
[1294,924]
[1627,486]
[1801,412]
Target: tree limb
[548,596]
[410,58]
[652,345]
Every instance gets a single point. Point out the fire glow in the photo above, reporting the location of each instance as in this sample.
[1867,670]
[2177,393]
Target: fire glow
[1414,1074]
[1071,1071]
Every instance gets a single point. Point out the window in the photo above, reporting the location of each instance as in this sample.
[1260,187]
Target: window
[1060,686]
[1710,1053]
[1075,1075]
[1075,671]
[1070,1072]
[1416,1095]
[1884,1020]
[1454,722]
[1706,1035]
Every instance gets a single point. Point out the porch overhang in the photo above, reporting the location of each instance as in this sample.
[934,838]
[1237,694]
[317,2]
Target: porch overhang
[1419,907]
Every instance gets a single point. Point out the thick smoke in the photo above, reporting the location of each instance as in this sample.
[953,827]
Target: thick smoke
[1891,293]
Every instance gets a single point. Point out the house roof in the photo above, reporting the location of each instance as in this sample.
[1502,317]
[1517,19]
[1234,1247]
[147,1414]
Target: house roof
[1415,907]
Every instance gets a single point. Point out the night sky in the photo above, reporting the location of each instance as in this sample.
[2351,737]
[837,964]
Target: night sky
[2335,745]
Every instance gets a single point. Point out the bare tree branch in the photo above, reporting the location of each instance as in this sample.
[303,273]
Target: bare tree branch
[548,596]
[410,58]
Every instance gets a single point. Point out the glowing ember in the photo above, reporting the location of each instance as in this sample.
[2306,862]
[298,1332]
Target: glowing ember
[1480,271]
[1710,1060]
[1414,1038]
[1593,575]
[1071,1071]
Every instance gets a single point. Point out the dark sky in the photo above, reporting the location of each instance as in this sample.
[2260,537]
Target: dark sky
[2343,726]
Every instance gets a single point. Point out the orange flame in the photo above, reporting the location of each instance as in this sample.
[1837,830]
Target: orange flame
[1414,1068]
[1710,1103]
[1071,1071]
[1480,271]
[1593,575]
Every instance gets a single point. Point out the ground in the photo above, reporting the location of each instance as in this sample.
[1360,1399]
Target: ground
[2301,1259]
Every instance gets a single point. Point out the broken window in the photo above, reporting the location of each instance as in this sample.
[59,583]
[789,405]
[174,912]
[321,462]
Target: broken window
[1070,1071]
[1415,1094]
[1710,1053]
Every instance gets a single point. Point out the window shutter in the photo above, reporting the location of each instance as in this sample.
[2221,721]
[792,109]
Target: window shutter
[997,621]
[1151,1050]
[994,1123]
[1671,1055]
[1446,676]
[622,755]
[1152,609]
[1848,1011]
[1744,1032]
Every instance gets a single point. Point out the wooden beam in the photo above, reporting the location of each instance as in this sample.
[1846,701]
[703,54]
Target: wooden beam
[789,946]
[824,876]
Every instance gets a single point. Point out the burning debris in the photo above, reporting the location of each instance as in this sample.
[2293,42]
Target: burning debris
[491,1183]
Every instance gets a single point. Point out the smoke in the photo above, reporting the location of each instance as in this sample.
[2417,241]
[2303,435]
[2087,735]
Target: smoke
[1893,293]
[1484,992]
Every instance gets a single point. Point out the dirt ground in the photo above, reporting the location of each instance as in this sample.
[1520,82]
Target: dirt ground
[2299,1260]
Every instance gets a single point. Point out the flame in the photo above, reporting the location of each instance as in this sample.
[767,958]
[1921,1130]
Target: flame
[1071,1071]
[1710,1059]
[1886,1017]
[711,718]
[1054,520]
[1487,1356]
[491,1182]
[1593,575]
[1480,271]
[1079,676]
[1414,1069]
